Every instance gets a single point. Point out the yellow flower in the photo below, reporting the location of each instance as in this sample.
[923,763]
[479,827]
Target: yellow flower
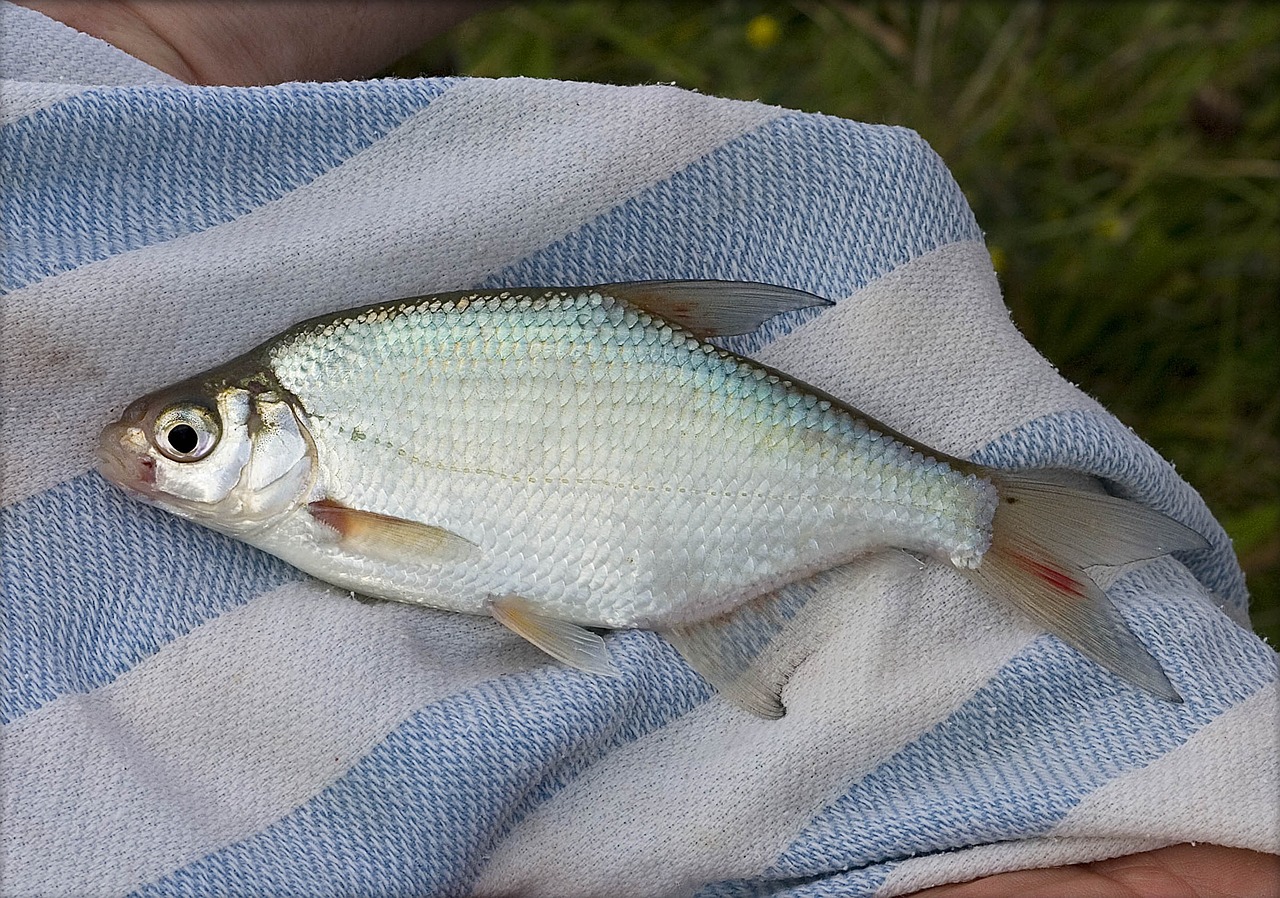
[1113,228]
[763,31]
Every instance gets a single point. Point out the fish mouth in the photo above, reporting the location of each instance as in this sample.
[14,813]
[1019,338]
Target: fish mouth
[123,459]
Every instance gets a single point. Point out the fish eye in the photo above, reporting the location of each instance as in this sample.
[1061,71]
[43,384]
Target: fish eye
[186,432]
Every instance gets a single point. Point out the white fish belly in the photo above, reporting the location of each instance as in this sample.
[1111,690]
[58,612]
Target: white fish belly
[610,469]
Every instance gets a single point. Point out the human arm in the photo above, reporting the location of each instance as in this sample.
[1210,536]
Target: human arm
[261,42]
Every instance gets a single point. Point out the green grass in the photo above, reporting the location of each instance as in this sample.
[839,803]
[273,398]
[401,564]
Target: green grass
[1123,159]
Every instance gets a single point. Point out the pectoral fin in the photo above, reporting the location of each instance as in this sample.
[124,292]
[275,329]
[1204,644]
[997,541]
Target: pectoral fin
[389,538]
[713,308]
[567,642]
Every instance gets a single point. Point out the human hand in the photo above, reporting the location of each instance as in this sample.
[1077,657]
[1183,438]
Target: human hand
[1179,871]
[263,41]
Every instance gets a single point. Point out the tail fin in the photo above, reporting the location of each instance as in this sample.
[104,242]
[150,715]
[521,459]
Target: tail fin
[1044,534]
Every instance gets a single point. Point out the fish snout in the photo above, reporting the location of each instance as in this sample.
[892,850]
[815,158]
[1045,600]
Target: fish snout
[124,457]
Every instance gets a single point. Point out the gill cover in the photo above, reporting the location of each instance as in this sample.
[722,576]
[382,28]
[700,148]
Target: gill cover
[280,469]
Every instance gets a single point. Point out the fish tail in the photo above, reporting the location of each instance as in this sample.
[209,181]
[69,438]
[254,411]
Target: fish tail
[1045,534]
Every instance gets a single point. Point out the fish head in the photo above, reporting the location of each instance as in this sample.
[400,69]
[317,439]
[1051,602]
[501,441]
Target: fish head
[232,456]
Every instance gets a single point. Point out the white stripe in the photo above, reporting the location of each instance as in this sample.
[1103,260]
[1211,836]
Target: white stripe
[487,174]
[1222,785]
[222,732]
[902,350]
[720,794]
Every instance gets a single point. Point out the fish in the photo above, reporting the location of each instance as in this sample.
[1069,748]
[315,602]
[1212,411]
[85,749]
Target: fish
[568,460]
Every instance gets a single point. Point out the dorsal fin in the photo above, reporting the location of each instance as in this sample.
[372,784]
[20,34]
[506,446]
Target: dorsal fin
[713,308]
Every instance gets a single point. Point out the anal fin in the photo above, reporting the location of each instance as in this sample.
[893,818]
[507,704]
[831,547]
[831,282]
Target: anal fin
[749,653]
[563,640]
[389,538]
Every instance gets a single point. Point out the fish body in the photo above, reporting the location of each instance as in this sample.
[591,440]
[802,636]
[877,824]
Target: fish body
[569,458]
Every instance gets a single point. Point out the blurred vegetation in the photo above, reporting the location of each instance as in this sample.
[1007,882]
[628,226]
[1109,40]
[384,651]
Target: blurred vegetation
[1123,159]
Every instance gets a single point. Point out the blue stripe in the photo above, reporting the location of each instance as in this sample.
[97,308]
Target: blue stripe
[806,201]
[94,582]
[862,883]
[139,166]
[420,814]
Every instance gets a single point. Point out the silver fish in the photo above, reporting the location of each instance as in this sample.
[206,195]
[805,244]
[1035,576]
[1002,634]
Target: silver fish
[582,457]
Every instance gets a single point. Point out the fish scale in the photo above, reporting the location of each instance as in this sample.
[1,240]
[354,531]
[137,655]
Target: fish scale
[566,457]
[575,429]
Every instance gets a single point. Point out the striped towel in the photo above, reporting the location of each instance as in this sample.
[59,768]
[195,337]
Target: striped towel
[183,715]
